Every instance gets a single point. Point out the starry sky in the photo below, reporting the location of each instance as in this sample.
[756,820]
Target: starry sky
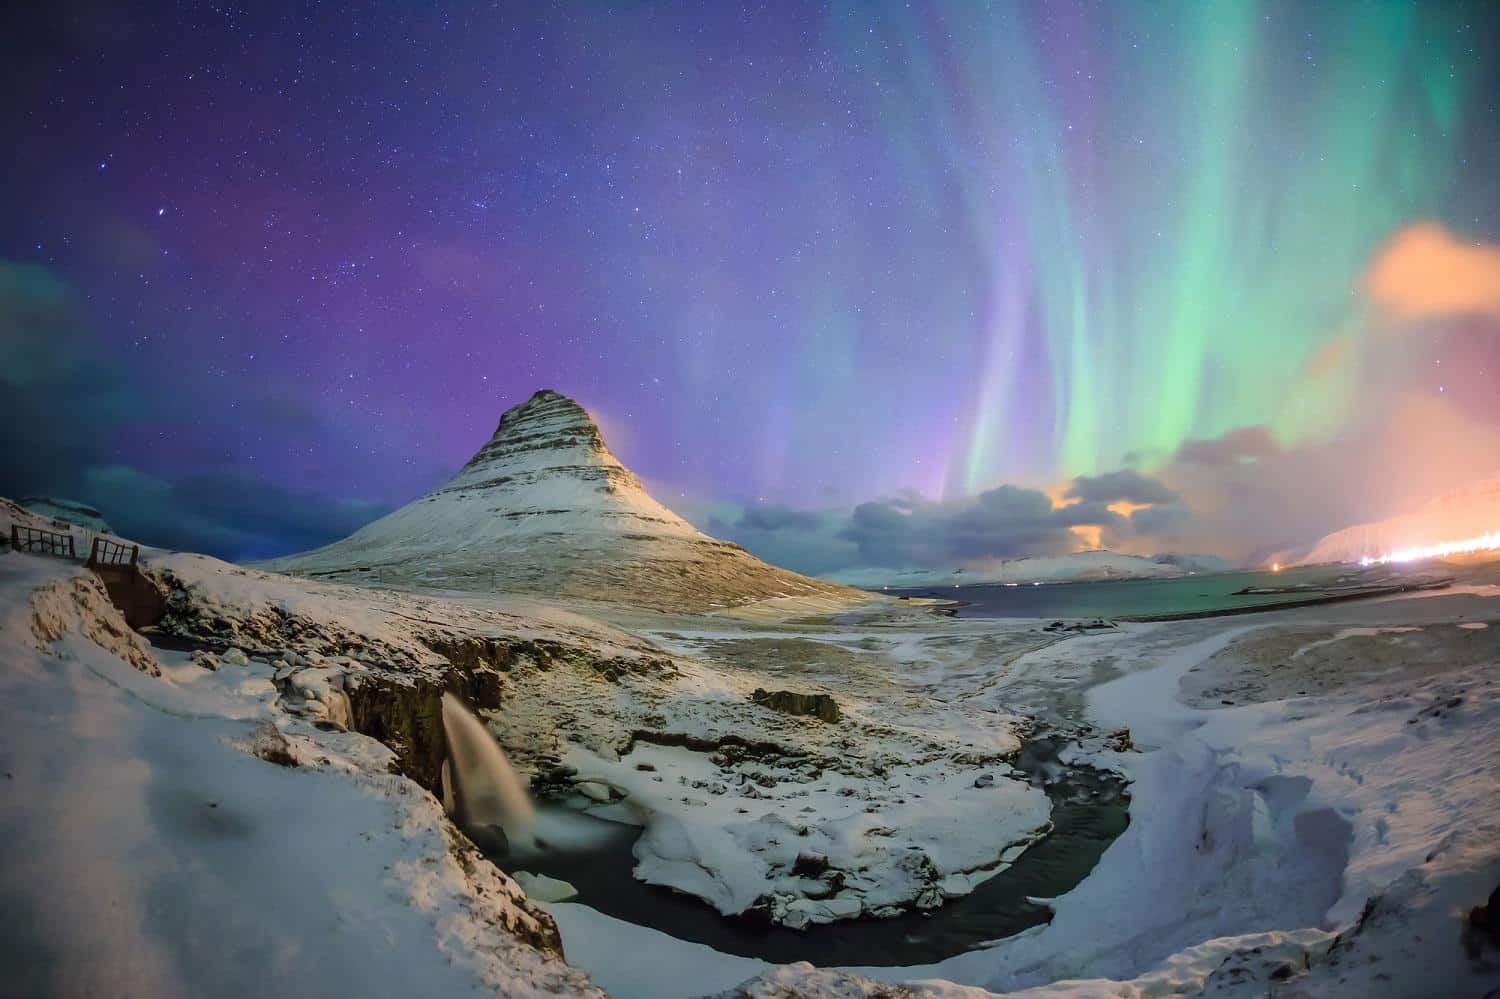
[1029,276]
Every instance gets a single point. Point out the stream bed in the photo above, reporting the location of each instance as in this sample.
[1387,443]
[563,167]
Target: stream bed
[1089,809]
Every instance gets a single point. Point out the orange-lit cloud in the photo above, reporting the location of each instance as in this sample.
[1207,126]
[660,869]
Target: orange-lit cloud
[1425,271]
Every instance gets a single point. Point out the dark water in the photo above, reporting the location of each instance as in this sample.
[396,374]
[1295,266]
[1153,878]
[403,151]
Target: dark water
[1137,597]
[1089,809]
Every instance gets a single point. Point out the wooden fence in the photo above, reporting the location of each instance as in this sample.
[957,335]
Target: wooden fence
[36,540]
[107,552]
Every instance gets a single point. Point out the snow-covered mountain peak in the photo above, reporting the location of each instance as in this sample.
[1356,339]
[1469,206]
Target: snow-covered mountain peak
[544,506]
[548,430]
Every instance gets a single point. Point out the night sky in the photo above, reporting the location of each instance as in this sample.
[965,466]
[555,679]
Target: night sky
[1216,276]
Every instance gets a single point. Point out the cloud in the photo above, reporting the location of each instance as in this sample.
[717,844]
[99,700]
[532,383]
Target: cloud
[64,413]
[1425,271]
[1126,485]
[222,512]
[778,518]
[908,530]
[1162,521]
[1005,522]
[1243,444]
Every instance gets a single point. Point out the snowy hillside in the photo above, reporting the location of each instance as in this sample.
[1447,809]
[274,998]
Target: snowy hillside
[545,507]
[68,511]
[1075,567]
[1455,516]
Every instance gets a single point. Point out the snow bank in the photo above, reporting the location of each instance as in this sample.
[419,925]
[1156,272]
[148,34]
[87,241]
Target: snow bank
[149,853]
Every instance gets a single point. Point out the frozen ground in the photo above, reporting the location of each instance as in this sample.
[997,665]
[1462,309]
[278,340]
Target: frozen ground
[148,851]
[1326,843]
[1325,832]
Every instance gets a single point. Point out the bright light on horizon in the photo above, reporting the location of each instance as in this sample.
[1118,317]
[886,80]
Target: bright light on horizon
[1484,542]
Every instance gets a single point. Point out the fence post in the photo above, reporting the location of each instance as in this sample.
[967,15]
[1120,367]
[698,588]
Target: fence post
[135,554]
[15,537]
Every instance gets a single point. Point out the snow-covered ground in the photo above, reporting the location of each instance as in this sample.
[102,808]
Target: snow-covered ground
[149,851]
[1313,805]
[1317,845]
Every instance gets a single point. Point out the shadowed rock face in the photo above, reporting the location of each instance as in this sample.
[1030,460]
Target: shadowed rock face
[821,706]
[545,507]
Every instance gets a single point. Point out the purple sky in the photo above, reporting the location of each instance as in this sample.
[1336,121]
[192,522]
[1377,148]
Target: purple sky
[269,271]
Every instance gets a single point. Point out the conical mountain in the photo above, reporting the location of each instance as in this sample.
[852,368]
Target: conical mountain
[546,508]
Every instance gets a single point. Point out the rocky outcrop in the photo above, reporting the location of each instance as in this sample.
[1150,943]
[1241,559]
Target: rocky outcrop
[140,600]
[79,604]
[544,506]
[821,706]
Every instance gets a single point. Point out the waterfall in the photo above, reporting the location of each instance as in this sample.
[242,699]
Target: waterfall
[485,791]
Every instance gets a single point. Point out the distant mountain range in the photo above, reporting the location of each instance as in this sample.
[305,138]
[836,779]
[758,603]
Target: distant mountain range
[1075,567]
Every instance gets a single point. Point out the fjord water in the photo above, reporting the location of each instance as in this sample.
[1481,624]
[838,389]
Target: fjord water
[1205,594]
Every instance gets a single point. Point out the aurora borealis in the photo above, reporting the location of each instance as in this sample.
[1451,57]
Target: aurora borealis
[269,271]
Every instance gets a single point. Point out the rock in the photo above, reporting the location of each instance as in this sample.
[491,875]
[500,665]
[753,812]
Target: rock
[233,656]
[956,885]
[269,744]
[490,839]
[810,865]
[1484,920]
[205,659]
[930,898]
[597,790]
[544,889]
[821,706]
[803,911]
[984,780]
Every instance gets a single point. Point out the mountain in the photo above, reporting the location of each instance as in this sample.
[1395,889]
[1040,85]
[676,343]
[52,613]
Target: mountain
[1095,565]
[546,508]
[1452,517]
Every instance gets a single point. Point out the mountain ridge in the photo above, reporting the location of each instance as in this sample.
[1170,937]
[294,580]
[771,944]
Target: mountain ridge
[1452,516]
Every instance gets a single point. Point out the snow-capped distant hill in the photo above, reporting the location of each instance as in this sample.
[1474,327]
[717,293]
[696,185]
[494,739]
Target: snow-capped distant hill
[1075,567]
[1456,516]
[545,507]
[68,511]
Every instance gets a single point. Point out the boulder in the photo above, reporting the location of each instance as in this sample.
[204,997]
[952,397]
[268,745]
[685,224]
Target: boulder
[821,706]
[540,888]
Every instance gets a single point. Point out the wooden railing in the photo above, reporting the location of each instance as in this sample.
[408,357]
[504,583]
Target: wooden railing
[36,540]
[107,552]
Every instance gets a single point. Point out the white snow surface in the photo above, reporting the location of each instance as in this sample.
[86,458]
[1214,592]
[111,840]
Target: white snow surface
[148,852]
[1321,846]
[1085,566]
[885,797]
[1307,846]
